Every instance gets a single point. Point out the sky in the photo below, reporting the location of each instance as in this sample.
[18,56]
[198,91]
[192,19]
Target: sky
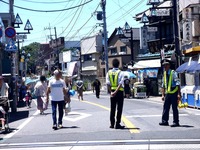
[68,23]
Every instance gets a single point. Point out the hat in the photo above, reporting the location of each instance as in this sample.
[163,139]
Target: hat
[1,77]
[166,62]
[56,72]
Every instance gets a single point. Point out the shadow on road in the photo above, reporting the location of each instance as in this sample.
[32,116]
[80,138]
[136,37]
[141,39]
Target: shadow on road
[131,129]
[186,126]
[9,131]
[72,127]
[15,116]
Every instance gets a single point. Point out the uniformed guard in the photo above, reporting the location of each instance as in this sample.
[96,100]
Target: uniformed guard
[114,80]
[170,95]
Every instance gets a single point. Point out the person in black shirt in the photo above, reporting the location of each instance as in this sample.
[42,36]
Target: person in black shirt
[96,86]
[127,86]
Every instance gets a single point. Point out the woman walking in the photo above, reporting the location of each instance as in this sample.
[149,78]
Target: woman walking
[40,92]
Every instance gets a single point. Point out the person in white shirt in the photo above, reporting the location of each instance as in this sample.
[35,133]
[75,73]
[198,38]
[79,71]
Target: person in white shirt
[40,92]
[55,92]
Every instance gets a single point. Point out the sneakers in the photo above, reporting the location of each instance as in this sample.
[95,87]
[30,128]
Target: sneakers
[175,125]
[164,124]
[54,127]
[60,126]
[118,126]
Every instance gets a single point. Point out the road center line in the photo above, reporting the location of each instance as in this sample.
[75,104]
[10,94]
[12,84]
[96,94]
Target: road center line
[132,128]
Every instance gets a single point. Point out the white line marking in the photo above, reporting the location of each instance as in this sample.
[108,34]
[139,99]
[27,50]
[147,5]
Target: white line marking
[81,116]
[21,126]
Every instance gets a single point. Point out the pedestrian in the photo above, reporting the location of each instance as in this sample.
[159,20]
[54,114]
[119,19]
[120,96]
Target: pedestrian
[28,98]
[96,86]
[3,93]
[67,98]
[127,86]
[114,80]
[79,85]
[147,83]
[3,87]
[22,91]
[170,95]
[55,92]
[40,92]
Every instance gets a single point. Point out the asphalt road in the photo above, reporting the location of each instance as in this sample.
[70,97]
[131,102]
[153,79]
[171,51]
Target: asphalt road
[87,127]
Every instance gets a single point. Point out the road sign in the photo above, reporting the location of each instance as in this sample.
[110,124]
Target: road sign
[11,47]
[28,26]
[163,12]
[152,29]
[1,32]
[21,37]
[10,32]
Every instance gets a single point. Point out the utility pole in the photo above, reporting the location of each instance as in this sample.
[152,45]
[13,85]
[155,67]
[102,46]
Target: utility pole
[103,5]
[57,50]
[176,33]
[13,63]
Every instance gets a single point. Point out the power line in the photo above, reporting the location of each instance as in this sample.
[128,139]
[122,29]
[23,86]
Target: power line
[47,2]
[72,20]
[48,10]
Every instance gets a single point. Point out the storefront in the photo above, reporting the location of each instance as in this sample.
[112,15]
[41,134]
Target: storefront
[152,70]
[190,78]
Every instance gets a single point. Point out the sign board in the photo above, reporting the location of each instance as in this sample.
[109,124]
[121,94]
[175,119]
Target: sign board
[1,32]
[10,32]
[21,37]
[163,12]
[152,29]
[11,47]
[124,40]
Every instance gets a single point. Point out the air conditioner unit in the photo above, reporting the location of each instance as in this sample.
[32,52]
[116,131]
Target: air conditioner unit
[195,28]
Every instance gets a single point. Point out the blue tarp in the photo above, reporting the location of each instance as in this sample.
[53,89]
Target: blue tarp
[187,68]
[194,68]
[29,80]
[129,74]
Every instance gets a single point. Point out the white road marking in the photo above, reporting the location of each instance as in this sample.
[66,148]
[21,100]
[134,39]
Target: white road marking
[21,126]
[79,117]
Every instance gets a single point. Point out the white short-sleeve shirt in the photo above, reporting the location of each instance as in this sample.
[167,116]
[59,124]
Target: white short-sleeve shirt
[56,88]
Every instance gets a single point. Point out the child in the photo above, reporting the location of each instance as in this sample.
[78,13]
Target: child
[28,99]
[2,117]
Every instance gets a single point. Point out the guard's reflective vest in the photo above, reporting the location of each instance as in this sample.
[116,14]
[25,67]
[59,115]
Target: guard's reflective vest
[168,86]
[113,76]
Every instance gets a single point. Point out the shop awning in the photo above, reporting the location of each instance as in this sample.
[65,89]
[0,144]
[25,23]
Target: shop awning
[194,68]
[154,63]
[193,49]
[184,67]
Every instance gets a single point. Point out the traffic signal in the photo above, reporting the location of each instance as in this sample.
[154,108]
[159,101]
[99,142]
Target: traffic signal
[99,15]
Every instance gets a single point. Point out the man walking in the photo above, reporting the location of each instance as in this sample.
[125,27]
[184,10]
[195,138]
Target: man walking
[170,95]
[96,86]
[114,80]
[55,92]
[79,85]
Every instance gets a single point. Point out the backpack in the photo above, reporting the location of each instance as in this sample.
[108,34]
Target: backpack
[36,92]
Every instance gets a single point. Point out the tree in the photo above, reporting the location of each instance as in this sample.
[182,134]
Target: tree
[33,50]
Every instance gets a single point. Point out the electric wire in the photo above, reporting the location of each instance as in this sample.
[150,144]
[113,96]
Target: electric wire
[28,9]
[41,2]
[73,19]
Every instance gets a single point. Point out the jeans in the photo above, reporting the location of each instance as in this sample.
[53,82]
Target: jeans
[60,110]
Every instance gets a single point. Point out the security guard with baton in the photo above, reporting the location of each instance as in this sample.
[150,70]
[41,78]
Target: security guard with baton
[170,95]
[114,80]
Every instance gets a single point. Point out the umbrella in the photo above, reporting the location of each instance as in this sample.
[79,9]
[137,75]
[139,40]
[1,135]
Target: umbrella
[129,74]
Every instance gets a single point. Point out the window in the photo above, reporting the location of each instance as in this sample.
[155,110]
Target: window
[87,57]
[123,50]
[113,51]
[189,79]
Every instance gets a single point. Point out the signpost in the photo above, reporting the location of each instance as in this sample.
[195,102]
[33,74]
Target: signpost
[21,37]
[163,12]
[10,32]
[152,29]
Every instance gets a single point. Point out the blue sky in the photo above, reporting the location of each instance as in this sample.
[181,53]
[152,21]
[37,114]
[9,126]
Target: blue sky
[68,22]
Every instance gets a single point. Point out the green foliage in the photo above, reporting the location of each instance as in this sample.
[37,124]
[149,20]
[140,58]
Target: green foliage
[33,49]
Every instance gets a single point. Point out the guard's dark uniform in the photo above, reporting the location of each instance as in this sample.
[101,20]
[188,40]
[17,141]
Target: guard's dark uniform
[114,78]
[170,84]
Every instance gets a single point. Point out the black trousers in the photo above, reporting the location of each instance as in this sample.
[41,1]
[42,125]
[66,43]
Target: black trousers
[170,99]
[116,102]
[97,92]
